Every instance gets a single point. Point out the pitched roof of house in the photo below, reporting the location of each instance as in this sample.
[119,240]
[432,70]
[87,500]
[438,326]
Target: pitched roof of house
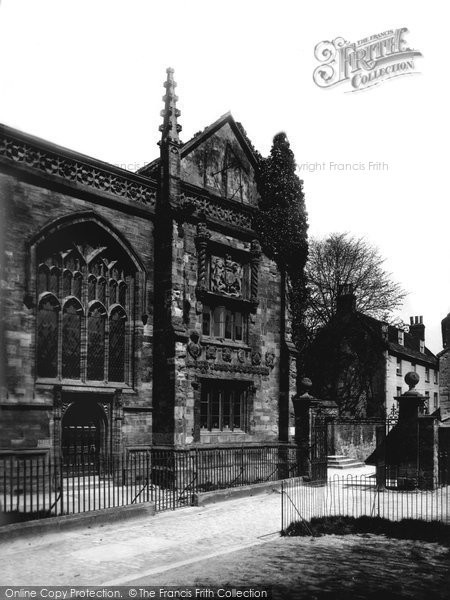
[410,350]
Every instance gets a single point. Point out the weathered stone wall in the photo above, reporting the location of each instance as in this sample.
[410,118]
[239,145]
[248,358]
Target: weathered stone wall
[220,359]
[444,383]
[354,438]
[29,204]
[211,183]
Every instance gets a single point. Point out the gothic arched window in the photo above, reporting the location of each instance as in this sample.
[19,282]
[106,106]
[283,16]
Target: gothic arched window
[47,336]
[67,283]
[85,284]
[77,285]
[43,279]
[123,294]
[54,281]
[92,281]
[71,339]
[117,321]
[96,342]
[101,289]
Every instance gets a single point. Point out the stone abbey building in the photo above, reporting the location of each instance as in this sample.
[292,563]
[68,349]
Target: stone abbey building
[137,309]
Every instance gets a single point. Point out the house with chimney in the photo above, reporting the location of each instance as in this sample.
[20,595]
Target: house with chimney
[406,351]
[360,362]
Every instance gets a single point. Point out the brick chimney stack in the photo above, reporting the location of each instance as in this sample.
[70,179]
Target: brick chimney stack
[417,328]
[346,299]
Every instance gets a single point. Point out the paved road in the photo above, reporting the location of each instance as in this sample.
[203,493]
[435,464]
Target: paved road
[122,551]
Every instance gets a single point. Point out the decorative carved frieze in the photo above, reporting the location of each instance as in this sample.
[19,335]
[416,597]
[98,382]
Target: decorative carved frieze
[219,211]
[256,358]
[226,354]
[270,359]
[204,366]
[76,171]
[211,352]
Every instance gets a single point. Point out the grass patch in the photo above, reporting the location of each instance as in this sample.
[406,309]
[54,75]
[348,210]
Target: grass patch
[412,529]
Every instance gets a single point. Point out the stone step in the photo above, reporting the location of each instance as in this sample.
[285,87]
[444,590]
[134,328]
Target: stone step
[343,462]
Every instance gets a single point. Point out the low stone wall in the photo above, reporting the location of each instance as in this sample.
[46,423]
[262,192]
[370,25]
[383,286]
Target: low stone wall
[353,438]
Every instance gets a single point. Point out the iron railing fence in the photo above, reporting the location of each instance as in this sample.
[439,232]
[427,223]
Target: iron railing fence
[39,486]
[359,495]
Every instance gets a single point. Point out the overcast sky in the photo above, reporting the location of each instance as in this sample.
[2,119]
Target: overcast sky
[88,74]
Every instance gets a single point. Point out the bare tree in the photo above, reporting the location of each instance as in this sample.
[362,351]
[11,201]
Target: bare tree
[342,259]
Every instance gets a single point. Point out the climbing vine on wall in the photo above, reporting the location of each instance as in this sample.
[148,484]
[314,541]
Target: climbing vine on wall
[282,226]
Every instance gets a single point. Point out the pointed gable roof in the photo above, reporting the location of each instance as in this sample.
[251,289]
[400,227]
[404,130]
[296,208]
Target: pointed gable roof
[199,138]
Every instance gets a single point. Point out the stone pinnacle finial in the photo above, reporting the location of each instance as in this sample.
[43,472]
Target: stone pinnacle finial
[170,127]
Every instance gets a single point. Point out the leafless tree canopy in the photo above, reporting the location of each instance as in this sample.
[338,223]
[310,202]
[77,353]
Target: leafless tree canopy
[343,259]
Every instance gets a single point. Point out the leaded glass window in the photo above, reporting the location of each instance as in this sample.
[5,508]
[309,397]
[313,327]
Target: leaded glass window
[223,406]
[92,279]
[47,336]
[96,342]
[71,339]
[220,322]
[117,345]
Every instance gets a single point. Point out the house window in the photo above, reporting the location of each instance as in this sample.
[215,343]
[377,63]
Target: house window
[422,346]
[427,374]
[435,401]
[221,322]
[399,366]
[399,391]
[223,407]
[401,338]
[436,376]
[85,296]
[426,404]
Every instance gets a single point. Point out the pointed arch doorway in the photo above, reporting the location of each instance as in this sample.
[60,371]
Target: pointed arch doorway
[85,438]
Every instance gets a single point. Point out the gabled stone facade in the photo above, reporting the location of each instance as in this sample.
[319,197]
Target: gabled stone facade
[139,306]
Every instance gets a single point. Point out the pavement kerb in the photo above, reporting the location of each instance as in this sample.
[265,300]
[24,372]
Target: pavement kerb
[246,491]
[66,522]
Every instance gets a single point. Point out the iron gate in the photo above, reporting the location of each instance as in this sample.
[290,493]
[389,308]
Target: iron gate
[319,448]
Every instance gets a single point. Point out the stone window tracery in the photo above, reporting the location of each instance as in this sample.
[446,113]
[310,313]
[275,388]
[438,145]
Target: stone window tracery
[85,309]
